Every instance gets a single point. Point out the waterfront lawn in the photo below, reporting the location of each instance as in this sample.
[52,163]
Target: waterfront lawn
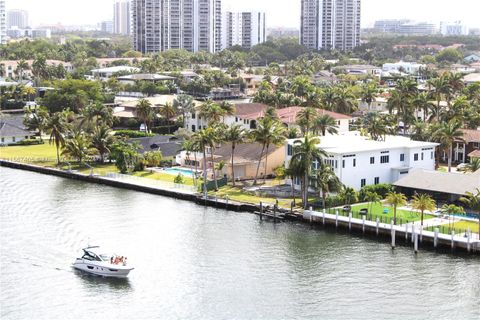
[41,154]
[240,195]
[161,176]
[376,210]
[461,226]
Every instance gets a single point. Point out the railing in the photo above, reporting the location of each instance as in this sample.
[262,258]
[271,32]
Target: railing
[149,182]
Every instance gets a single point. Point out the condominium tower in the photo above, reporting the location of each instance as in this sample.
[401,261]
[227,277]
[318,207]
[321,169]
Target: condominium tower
[330,24]
[245,29]
[193,25]
[3,23]
[17,18]
[121,17]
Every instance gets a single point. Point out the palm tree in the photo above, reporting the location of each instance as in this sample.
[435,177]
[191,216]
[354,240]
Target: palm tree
[348,194]
[36,119]
[345,100]
[40,68]
[227,108]
[211,112]
[22,65]
[97,114]
[372,198]
[472,200]
[185,105]
[188,147]
[168,112]
[76,146]
[423,202]
[102,140]
[447,134]
[396,200]
[307,152]
[369,93]
[451,209]
[268,132]
[325,123]
[28,92]
[419,131]
[473,165]
[145,113]
[440,89]
[422,103]
[375,126]
[57,126]
[235,135]
[326,181]
[306,119]
[203,139]
[295,170]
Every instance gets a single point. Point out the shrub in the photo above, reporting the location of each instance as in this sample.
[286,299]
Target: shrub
[153,158]
[381,189]
[179,179]
[133,123]
[29,142]
[132,134]
[165,129]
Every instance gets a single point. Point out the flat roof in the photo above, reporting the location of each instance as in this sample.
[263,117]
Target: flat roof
[145,76]
[116,69]
[436,181]
[352,142]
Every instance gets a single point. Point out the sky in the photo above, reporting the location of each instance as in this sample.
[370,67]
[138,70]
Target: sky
[279,13]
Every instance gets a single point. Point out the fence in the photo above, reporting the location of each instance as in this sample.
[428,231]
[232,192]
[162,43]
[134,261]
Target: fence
[369,217]
[149,182]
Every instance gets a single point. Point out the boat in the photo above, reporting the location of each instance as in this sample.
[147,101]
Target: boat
[96,261]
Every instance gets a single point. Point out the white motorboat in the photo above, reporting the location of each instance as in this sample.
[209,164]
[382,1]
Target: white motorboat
[98,262]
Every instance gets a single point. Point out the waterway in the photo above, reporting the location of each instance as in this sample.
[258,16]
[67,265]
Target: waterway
[193,262]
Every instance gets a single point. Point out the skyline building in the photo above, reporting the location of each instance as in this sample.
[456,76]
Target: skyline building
[3,23]
[106,26]
[245,29]
[330,24]
[121,17]
[17,18]
[193,25]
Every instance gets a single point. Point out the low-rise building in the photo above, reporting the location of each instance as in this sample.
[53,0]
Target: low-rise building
[359,69]
[403,67]
[379,104]
[288,116]
[105,73]
[11,132]
[10,68]
[149,77]
[464,147]
[359,161]
[246,158]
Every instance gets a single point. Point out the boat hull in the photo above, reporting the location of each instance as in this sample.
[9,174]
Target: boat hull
[103,270]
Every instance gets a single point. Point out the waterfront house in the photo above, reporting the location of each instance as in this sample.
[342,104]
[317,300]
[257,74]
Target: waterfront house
[359,161]
[468,145]
[105,73]
[443,186]
[132,79]
[246,159]
[288,116]
[169,146]
[11,132]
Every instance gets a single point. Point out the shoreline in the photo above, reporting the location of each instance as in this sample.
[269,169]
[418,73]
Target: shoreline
[428,240]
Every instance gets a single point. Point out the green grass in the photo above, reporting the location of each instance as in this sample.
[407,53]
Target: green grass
[162,177]
[376,210]
[42,154]
[464,225]
[238,194]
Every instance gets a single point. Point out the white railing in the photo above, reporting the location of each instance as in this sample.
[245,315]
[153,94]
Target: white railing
[149,182]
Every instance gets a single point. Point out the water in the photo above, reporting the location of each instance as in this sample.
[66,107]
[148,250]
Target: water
[176,171]
[193,262]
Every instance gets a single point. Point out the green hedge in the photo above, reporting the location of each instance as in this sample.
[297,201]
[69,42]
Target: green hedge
[133,134]
[28,142]
[381,189]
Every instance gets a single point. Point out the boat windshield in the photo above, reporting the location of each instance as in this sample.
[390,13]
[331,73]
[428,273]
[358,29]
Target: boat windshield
[106,257]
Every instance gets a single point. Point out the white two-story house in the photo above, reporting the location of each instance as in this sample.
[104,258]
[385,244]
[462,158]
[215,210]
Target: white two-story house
[359,161]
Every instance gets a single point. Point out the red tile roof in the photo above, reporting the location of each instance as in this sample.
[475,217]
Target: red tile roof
[470,135]
[289,115]
[250,111]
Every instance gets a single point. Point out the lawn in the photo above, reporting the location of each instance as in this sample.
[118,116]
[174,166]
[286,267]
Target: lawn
[464,225]
[238,194]
[162,177]
[44,154]
[376,210]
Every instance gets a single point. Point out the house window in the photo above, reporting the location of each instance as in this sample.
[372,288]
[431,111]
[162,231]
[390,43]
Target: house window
[476,145]
[377,180]
[372,160]
[354,162]
[3,139]
[343,163]
[193,128]
[336,164]
[384,159]
[402,157]
[194,115]
[421,156]
[26,137]
[290,150]
[363,182]
[415,157]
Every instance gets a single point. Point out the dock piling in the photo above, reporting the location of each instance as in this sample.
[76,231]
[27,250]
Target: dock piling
[469,236]
[363,224]
[336,219]
[261,211]
[453,240]
[435,238]
[323,216]
[415,243]
[378,225]
[349,221]
[406,232]
[393,234]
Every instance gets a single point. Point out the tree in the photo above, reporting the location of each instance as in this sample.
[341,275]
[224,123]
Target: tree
[423,202]
[472,166]
[307,151]
[449,55]
[472,200]
[211,112]
[185,106]
[348,194]
[57,126]
[36,119]
[76,146]
[295,170]
[28,92]
[369,93]
[325,123]
[153,158]
[422,103]
[102,141]
[235,135]
[145,113]
[96,114]
[227,109]
[168,112]
[203,139]
[374,125]
[306,119]
[372,198]
[40,68]
[126,156]
[451,209]
[22,66]
[326,181]
[447,134]
[396,200]
[268,132]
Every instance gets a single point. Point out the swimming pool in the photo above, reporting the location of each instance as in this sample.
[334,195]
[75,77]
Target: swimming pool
[176,171]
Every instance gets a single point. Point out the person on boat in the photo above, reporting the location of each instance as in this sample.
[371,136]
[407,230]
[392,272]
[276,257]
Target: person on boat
[125,261]
[111,260]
